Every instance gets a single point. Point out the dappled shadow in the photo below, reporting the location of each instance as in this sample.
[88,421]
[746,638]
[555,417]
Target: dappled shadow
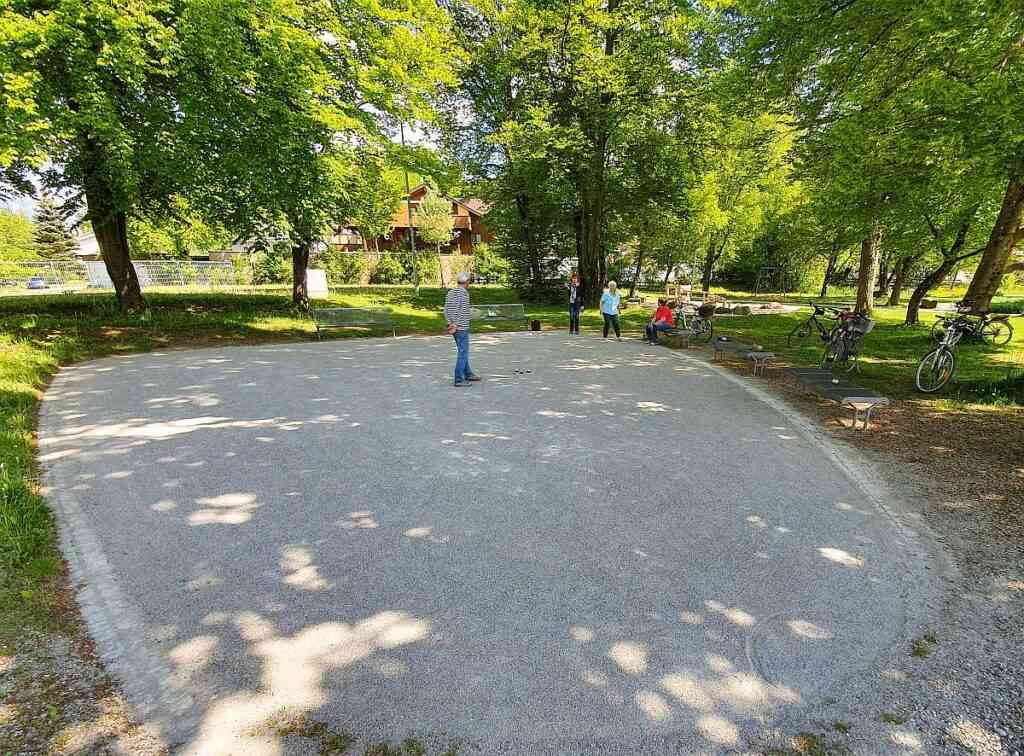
[554,553]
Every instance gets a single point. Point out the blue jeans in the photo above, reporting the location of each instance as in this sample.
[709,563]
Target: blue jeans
[462,369]
[574,317]
[652,331]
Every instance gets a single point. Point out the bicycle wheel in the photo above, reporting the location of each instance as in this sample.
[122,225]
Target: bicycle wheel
[706,330]
[798,334]
[835,352]
[939,330]
[935,370]
[851,357]
[997,333]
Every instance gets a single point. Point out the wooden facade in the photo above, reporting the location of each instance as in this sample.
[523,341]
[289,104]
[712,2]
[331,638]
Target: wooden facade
[467,215]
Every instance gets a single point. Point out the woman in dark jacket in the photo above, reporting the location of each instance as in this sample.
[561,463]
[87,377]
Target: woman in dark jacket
[575,303]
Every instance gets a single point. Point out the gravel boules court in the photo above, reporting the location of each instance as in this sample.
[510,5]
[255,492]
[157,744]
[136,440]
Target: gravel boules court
[601,547]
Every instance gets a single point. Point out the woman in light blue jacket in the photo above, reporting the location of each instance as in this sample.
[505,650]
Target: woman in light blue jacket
[610,309]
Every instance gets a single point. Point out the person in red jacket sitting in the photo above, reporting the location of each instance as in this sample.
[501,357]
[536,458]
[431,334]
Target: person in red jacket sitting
[662,321]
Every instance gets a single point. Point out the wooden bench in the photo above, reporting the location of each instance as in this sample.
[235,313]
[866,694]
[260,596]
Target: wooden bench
[759,359]
[493,313]
[861,400]
[352,317]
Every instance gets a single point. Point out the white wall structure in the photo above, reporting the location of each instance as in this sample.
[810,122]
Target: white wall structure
[316,283]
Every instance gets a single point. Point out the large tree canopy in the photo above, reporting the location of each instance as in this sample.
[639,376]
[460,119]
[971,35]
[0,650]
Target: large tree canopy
[251,110]
[933,83]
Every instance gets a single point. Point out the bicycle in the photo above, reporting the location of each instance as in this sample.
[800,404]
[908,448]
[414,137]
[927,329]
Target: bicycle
[843,347]
[806,327]
[937,367]
[699,321]
[994,330]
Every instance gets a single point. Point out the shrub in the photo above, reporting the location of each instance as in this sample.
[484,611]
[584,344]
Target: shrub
[241,268]
[427,263]
[1010,305]
[269,268]
[343,267]
[388,270]
[489,265]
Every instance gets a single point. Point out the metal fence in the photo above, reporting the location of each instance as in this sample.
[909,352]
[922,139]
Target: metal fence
[71,274]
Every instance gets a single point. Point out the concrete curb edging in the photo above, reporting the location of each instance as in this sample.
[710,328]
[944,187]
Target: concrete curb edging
[112,619]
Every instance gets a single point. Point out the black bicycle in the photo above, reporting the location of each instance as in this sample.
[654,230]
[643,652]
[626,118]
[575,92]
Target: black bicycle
[994,330]
[812,324]
[843,348]
[936,368]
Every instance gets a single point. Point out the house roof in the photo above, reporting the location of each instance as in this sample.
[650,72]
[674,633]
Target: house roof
[475,206]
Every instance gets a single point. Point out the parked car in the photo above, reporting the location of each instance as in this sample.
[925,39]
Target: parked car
[37,282]
[8,282]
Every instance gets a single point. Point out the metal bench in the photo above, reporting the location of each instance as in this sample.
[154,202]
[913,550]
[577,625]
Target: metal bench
[861,400]
[759,359]
[352,317]
[493,313]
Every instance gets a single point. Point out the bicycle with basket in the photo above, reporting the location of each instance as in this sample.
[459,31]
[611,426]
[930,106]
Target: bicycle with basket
[842,351]
[696,320]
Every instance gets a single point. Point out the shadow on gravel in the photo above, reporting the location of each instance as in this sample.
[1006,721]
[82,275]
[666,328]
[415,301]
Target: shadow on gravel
[583,550]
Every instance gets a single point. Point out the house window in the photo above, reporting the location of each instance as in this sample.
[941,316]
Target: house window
[476,238]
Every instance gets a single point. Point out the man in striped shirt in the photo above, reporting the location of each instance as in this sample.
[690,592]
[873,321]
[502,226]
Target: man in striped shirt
[456,312]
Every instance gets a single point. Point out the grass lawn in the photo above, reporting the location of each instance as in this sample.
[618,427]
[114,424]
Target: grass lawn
[890,353]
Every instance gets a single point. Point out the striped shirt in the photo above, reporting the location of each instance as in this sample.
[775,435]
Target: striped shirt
[456,308]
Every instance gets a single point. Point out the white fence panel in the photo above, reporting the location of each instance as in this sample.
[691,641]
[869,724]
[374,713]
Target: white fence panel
[68,274]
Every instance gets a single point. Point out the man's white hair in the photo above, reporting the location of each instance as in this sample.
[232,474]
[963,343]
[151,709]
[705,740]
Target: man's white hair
[462,277]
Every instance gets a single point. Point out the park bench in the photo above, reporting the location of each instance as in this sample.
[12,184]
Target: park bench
[352,317]
[759,359]
[493,313]
[824,383]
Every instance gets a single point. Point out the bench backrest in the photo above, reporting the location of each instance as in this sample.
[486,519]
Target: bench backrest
[344,316]
[497,312]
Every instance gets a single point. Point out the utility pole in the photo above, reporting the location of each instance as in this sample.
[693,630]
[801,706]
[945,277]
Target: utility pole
[408,210]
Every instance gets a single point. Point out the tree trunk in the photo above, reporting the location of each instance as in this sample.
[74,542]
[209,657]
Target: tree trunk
[951,259]
[591,184]
[577,229]
[713,255]
[882,285]
[709,265]
[526,225]
[639,265]
[898,276]
[111,228]
[930,281]
[830,269]
[591,264]
[1006,232]
[870,250]
[300,261]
